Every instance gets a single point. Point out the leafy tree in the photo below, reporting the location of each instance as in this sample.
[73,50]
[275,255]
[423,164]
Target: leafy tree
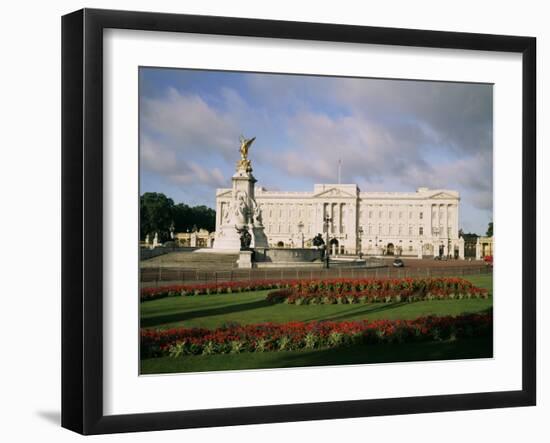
[489,232]
[158,212]
[194,218]
[156,215]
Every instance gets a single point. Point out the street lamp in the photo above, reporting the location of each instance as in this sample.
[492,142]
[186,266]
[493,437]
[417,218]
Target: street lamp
[327,221]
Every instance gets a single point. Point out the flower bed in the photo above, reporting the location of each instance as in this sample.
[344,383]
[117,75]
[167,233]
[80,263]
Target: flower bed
[211,288]
[375,291]
[311,286]
[313,335]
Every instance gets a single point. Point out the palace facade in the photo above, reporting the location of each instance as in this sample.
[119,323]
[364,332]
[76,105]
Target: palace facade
[421,223]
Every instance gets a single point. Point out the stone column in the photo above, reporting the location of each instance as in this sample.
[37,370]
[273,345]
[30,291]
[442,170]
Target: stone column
[439,223]
[456,222]
[461,248]
[332,217]
[219,215]
[428,231]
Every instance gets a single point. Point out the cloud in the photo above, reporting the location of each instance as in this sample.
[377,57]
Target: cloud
[185,140]
[368,150]
[155,158]
[187,123]
[193,173]
[400,156]
[159,160]
[457,115]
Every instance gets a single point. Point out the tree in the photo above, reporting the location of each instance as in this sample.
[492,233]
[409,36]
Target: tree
[194,218]
[158,212]
[489,232]
[156,215]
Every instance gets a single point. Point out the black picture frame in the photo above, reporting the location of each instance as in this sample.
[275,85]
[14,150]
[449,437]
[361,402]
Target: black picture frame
[82,217]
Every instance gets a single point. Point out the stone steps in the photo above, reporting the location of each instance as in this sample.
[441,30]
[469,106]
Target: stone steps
[192,260]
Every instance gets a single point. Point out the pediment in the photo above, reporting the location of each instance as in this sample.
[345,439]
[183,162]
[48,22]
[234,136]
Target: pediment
[443,196]
[334,192]
[224,193]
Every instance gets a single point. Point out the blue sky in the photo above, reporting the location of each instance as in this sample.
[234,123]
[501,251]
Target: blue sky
[391,135]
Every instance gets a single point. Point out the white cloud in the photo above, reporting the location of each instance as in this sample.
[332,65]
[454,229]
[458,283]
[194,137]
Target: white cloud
[155,158]
[181,134]
[192,173]
[186,123]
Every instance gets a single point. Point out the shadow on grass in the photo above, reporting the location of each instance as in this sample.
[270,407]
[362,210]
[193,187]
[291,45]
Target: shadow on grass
[393,353]
[361,309]
[481,347]
[182,316]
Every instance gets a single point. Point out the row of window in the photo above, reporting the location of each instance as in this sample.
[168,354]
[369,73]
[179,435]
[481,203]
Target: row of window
[390,214]
[368,230]
[390,231]
[288,229]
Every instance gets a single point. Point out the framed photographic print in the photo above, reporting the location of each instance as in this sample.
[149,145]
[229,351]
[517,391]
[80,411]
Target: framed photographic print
[269,221]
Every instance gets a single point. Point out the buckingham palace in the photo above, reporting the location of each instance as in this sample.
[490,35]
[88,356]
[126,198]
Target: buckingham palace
[422,223]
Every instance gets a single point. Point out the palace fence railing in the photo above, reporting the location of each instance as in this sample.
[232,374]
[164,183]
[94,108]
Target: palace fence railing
[162,276]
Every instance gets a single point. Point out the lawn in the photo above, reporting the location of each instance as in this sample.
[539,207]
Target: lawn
[211,311]
[392,353]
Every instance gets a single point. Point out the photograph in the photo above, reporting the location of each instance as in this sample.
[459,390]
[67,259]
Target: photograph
[299,220]
[271,222]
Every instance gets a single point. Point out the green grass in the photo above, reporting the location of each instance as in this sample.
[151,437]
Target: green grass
[211,311]
[388,353]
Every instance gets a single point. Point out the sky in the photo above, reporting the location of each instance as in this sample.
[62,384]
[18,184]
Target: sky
[390,135]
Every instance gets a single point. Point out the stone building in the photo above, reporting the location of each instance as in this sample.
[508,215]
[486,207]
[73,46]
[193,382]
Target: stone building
[421,223]
[196,239]
[484,247]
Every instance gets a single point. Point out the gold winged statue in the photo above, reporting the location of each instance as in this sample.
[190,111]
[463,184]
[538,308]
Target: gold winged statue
[245,146]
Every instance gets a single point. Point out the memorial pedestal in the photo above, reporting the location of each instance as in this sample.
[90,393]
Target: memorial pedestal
[245,260]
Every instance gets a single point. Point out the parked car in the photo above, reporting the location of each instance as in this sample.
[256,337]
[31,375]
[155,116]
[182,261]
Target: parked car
[398,263]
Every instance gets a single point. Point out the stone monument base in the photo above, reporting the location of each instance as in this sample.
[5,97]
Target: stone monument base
[245,260]
[227,239]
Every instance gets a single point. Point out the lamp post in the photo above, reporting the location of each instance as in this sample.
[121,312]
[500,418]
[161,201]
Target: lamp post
[327,221]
